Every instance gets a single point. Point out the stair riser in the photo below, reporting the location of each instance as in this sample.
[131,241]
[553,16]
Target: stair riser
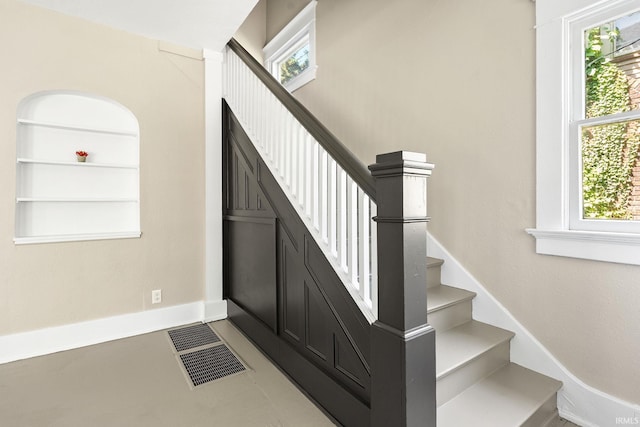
[434,276]
[546,415]
[482,366]
[450,317]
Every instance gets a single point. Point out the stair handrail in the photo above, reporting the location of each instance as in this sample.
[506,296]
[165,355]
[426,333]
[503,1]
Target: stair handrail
[345,158]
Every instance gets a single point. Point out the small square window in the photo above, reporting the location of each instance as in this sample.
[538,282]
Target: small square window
[290,55]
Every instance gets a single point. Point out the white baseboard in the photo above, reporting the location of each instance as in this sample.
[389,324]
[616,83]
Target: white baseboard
[577,402]
[51,340]
[215,310]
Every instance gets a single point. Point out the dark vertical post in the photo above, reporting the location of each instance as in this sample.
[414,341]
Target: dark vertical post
[403,385]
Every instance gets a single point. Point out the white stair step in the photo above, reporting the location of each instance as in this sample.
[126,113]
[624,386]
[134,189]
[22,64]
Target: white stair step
[448,307]
[512,396]
[433,271]
[466,354]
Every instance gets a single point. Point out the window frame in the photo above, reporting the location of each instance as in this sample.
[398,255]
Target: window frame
[285,42]
[560,98]
[578,121]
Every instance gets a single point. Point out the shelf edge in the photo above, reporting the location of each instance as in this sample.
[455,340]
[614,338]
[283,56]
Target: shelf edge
[77,128]
[75,238]
[63,200]
[76,164]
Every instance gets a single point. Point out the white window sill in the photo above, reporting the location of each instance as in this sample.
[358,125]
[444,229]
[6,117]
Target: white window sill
[305,77]
[623,248]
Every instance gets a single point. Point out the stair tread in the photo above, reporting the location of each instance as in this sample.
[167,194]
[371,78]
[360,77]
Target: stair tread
[443,296]
[458,346]
[506,398]
[434,262]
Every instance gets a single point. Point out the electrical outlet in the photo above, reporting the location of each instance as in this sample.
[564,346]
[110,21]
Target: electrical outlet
[156,296]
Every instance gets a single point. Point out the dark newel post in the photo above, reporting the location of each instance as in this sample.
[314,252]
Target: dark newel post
[403,389]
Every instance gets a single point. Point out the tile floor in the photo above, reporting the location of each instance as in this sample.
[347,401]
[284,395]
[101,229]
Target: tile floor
[139,382]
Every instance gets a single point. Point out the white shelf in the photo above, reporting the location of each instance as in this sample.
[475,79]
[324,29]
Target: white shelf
[76,237]
[79,164]
[75,200]
[59,199]
[76,128]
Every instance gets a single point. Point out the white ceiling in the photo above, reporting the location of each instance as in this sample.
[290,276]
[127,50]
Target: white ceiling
[207,24]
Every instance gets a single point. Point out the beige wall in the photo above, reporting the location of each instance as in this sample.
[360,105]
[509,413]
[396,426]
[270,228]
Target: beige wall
[60,283]
[456,80]
[252,34]
[280,12]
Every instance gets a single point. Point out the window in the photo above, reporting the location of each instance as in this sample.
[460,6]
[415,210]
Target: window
[290,55]
[588,130]
[62,196]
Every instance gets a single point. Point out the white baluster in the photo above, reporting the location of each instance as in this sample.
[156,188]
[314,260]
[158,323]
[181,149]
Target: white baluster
[262,111]
[301,135]
[283,143]
[236,78]
[332,208]
[322,196]
[257,114]
[273,118]
[374,258]
[242,107]
[278,139]
[231,77]
[255,106]
[295,166]
[342,231]
[290,129]
[363,245]
[308,177]
[352,227]
[315,192]
[251,105]
[267,126]
[248,118]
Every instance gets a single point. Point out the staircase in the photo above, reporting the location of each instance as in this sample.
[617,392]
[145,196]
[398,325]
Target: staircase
[312,304]
[477,385]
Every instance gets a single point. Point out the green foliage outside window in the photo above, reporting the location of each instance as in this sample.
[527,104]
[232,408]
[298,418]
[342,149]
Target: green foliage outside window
[294,65]
[609,152]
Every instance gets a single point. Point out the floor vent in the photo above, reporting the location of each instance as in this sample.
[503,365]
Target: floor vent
[192,337]
[204,356]
[210,364]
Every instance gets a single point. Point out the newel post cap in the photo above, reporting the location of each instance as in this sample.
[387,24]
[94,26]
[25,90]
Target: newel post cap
[401,163]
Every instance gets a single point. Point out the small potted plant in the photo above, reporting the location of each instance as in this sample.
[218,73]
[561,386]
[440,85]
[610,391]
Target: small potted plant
[81,156]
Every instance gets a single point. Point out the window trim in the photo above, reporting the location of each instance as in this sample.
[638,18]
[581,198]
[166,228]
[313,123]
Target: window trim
[300,27]
[553,232]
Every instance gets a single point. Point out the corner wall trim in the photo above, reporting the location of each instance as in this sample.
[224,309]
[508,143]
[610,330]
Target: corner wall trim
[577,402]
[59,338]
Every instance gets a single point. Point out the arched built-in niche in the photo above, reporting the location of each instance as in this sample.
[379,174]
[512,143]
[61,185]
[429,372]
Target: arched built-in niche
[59,198]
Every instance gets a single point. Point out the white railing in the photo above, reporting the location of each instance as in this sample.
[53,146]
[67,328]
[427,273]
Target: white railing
[333,207]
